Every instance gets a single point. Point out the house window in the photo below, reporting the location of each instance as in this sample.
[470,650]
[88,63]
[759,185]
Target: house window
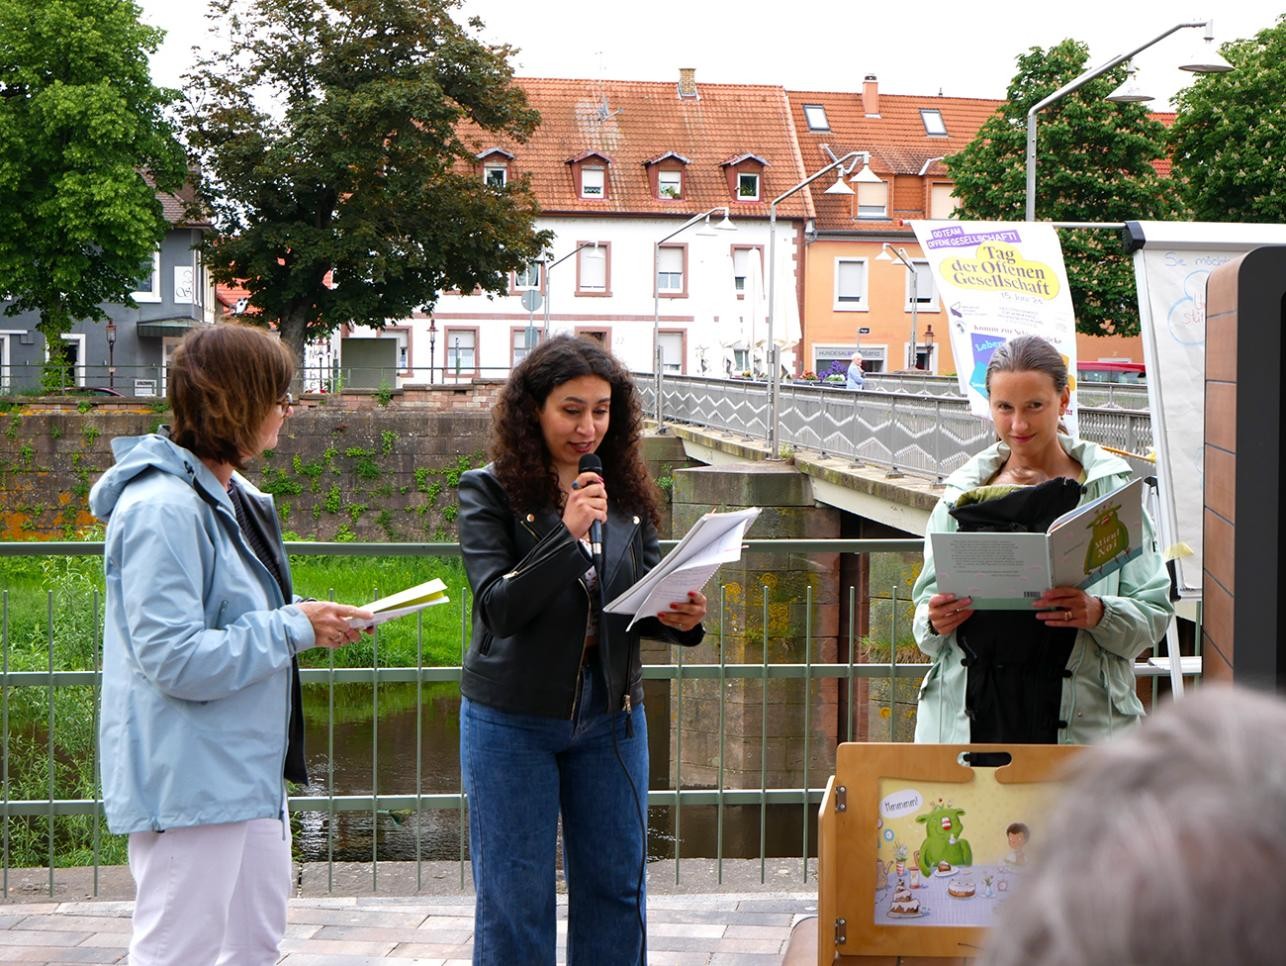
[148,286]
[815,115]
[850,284]
[669,184]
[743,263]
[593,270]
[942,201]
[462,352]
[671,346]
[592,182]
[740,266]
[747,187]
[521,341]
[934,125]
[73,358]
[920,289]
[495,175]
[527,278]
[669,269]
[873,200]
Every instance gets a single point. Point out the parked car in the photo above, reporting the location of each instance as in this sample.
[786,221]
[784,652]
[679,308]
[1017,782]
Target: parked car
[1126,373]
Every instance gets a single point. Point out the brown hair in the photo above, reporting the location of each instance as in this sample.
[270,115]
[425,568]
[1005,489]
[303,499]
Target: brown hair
[522,462]
[223,381]
[1029,353]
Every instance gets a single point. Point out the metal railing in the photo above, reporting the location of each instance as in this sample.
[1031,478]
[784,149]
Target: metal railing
[929,435]
[760,777]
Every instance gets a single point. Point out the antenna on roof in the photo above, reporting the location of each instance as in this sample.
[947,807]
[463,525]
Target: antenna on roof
[604,110]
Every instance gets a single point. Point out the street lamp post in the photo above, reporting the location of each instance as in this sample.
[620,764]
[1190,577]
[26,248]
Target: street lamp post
[657,360]
[549,288]
[1210,64]
[774,367]
[900,253]
[433,335]
[111,354]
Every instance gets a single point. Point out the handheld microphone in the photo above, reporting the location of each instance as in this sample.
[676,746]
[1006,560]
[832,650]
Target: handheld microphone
[590,463]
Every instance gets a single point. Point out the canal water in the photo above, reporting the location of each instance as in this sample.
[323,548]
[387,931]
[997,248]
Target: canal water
[434,834]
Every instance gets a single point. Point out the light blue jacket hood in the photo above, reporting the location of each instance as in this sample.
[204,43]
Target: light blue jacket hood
[197,648]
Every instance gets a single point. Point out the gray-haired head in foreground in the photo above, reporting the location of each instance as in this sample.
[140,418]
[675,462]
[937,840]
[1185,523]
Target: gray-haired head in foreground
[1166,847]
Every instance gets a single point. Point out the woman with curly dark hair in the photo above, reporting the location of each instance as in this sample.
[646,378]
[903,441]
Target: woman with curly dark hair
[551,723]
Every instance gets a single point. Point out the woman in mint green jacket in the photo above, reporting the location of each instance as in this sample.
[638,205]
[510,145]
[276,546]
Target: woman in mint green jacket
[1115,619]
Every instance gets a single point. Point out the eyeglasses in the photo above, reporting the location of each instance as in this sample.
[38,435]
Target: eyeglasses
[285,403]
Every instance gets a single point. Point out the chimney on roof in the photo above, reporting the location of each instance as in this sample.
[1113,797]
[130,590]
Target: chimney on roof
[687,82]
[871,96]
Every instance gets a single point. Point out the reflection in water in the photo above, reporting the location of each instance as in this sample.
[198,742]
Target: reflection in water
[434,834]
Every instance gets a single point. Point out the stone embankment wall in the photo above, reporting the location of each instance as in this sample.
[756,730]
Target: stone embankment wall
[361,467]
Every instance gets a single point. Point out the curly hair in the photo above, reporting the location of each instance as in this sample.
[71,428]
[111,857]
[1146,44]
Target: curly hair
[522,462]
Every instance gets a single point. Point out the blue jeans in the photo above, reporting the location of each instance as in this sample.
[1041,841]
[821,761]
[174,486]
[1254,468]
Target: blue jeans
[520,772]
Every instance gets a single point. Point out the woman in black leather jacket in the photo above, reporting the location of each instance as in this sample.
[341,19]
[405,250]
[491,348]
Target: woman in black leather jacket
[552,722]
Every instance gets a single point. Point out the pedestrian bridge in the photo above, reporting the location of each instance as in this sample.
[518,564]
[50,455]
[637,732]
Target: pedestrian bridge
[880,453]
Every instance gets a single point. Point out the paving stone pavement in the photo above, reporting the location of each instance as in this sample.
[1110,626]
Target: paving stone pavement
[720,929]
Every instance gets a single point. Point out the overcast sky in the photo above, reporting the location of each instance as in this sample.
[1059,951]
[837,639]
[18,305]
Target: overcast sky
[961,49]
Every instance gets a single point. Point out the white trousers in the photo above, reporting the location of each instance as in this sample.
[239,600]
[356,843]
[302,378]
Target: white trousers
[211,894]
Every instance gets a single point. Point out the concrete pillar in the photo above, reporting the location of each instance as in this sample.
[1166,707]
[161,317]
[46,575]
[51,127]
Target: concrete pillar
[788,510]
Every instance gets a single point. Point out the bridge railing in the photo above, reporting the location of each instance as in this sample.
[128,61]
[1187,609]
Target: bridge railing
[929,435]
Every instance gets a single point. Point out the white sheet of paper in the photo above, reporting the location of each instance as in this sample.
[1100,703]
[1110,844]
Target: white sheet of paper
[714,539]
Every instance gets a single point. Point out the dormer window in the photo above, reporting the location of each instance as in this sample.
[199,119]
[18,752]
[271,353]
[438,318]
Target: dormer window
[872,200]
[592,182]
[590,175]
[495,167]
[665,175]
[745,176]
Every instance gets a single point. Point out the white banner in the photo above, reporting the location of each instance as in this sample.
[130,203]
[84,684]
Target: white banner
[997,281]
[1172,261]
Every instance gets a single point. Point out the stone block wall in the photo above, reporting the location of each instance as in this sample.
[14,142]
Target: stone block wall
[345,468]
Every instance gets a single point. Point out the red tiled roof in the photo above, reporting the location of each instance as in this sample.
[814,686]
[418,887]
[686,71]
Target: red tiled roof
[633,122]
[897,140]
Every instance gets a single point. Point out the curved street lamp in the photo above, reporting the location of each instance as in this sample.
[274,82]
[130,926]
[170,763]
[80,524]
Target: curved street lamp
[1209,63]
[774,367]
[900,254]
[657,361]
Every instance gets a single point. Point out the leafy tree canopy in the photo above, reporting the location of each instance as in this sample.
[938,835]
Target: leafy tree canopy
[1094,163]
[331,134]
[1229,139]
[82,130]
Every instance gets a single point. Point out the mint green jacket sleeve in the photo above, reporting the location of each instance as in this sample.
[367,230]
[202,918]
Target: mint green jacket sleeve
[926,585]
[1136,602]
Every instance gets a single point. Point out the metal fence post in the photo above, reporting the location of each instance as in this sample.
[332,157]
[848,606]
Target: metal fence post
[894,473]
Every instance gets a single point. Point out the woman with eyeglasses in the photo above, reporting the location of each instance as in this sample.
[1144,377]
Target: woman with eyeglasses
[201,723]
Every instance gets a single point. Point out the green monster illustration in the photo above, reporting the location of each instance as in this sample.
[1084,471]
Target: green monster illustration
[942,839]
[1108,537]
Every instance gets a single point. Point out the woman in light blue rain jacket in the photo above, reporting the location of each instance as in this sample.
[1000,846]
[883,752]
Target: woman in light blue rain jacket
[200,681]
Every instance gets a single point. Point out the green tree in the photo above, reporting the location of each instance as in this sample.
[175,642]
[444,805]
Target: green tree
[338,142]
[1229,138]
[1094,163]
[82,131]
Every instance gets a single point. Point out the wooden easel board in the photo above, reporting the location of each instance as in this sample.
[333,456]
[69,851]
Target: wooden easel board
[917,850]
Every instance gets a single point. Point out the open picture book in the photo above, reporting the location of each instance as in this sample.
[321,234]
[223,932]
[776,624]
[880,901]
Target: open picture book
[1008,571]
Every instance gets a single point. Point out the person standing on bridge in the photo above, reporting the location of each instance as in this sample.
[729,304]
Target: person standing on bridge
[551,720]
[201,725]
[1063,672]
